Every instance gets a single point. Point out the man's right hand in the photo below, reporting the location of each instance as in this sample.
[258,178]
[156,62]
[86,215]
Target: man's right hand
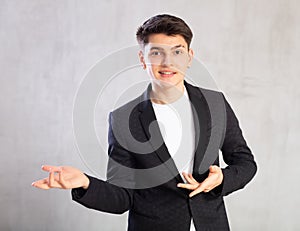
[64,177]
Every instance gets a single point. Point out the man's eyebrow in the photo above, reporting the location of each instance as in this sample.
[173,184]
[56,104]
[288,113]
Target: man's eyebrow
[173,48]
[178,46]
[156,48]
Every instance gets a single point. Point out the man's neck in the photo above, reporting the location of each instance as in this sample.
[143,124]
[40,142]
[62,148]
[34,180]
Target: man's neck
[166,94]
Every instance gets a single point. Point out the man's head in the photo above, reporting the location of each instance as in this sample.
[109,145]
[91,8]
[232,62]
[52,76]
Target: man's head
[163,24]
[165,50]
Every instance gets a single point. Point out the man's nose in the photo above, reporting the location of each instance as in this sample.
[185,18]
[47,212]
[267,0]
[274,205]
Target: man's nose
[167,60]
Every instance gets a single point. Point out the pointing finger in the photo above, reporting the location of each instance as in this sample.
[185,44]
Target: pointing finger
[205,186]
[42,184]
[187,186]
[48,168]
[196,191]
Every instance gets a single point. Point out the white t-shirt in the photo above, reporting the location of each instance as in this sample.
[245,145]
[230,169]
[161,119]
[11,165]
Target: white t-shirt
[177,128]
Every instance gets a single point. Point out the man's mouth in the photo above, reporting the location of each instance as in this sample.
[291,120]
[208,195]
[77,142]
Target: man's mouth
[167,73]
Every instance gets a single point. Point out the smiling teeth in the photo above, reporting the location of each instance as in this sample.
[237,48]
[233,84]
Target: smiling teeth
[167,73]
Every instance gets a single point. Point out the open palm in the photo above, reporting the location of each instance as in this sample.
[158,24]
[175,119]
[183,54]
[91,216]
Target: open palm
[64,177]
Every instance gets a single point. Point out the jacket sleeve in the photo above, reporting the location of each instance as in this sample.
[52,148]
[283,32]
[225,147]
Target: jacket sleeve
[237,155]
[109,196]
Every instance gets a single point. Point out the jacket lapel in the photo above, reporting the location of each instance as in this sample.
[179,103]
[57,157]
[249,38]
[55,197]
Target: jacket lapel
[148,117]
[202,124]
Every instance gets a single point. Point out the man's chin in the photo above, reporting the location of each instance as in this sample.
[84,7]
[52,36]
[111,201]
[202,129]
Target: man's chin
[167,85]
[164,83]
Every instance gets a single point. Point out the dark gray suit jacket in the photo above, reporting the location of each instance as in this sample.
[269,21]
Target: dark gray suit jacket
[152,197]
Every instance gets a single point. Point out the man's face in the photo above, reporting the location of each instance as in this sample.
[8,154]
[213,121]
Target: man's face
[166,59]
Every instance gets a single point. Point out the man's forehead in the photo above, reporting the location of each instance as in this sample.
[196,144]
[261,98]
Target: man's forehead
[165,41]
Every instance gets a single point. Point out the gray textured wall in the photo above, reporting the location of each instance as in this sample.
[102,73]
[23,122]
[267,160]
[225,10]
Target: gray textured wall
[251,48]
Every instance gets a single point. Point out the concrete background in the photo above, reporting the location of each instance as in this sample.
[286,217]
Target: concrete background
[251,47]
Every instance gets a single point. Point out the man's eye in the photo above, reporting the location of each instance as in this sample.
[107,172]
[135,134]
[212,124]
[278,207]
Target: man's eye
[178,52]
[155,53]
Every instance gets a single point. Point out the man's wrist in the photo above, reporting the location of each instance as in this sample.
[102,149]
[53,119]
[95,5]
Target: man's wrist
[87,183]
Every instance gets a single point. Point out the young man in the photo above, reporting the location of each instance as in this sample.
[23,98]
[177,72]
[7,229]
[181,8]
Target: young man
[156,177]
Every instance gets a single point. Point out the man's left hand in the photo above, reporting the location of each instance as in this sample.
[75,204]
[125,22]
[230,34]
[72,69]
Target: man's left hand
[214,179]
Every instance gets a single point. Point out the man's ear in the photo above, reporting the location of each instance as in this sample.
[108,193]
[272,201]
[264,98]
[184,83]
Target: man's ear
[142,59]
[191,56]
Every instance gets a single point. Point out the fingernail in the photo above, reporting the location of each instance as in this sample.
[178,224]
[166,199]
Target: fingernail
[32,184]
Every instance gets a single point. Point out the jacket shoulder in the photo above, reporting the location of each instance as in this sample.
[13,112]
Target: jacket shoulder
[201,91]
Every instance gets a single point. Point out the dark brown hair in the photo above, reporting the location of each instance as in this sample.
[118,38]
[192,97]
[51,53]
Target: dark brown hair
[164,24]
